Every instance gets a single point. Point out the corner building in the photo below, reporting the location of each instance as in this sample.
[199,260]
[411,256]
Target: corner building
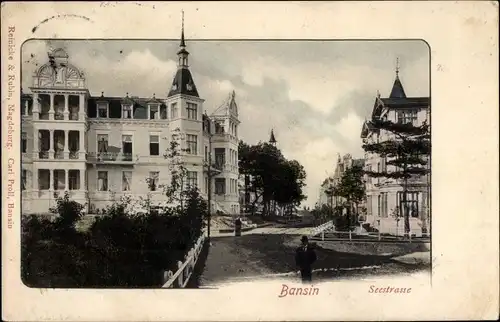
[384,196]
[102,148]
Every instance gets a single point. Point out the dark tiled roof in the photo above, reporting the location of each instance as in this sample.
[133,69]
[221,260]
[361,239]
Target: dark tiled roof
[397,89]
[402,102]
[183,51]
[183,83]
[140,106]
[405,101]
[367,128]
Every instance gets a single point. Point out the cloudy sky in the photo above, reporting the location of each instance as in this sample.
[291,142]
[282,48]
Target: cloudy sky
[315,94]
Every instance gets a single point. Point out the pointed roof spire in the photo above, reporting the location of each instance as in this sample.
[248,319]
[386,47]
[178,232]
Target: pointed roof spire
[397,88]
[183,80]
[183,53]
[183,43]
[272,139]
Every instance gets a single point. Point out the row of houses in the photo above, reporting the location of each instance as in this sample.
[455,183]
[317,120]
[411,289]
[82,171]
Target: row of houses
[383,206]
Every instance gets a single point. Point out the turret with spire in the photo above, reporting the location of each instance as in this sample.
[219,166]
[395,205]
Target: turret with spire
[397,89]
[183,82]
[272,139]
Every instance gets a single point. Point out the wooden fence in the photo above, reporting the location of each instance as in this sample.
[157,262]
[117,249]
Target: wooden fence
[181,277]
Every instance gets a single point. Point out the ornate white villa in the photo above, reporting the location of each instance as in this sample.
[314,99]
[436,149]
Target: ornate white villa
[100,148]
[384,196]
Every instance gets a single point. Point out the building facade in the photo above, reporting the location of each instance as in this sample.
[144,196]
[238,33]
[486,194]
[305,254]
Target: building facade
[327,196]
[384,196]
[100,148]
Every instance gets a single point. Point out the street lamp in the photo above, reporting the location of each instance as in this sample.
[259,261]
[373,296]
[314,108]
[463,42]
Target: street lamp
[208,129]
[209,179]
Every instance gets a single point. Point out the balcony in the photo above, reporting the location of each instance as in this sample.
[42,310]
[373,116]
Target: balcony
[57,155]
[216,168]
[224,137]
[415,180]
[26,157]
[225,197]
[112,158]
[43,155]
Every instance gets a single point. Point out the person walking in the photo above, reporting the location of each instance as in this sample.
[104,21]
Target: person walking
[237,227]
[305,256]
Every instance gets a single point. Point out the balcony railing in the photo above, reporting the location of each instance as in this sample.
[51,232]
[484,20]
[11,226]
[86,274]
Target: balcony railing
[58,154]
[58,116]
[112,157]
[224,137]
[414,180]
[43,154]
[215,167]
[26,157]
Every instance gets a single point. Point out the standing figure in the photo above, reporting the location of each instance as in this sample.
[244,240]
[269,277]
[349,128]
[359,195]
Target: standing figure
[237,227]
[305,256]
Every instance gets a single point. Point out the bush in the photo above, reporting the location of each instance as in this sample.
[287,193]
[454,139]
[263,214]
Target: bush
[120,249]
[345,222]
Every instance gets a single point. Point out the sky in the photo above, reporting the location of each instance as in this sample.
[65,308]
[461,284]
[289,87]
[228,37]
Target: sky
[314,94]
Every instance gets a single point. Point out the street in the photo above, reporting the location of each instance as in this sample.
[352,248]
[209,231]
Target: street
[269,253]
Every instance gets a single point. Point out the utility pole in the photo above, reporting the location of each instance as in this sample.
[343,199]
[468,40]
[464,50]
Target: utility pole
[209,188]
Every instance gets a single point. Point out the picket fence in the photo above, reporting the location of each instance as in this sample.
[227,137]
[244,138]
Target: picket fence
[367,237]
[319,232]
[181,277]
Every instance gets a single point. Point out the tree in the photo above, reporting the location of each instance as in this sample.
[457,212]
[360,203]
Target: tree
[407,151]
[352,188]
[329,191]
[175,191]
[288,191]
[244,164]
[270,176]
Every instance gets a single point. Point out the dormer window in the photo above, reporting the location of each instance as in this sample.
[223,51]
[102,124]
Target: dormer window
[189,87]
[102,111]
[127,111]
[174,87]
[154,113]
